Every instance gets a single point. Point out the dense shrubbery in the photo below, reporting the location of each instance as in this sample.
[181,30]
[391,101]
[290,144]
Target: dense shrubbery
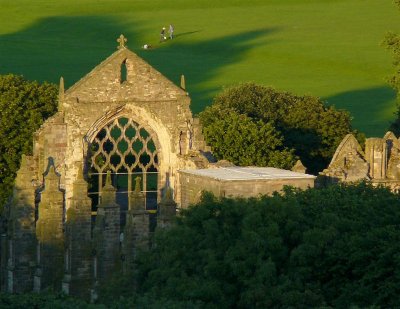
[256,125]
[42,301]
[338,246]
[24,105]
[331,247]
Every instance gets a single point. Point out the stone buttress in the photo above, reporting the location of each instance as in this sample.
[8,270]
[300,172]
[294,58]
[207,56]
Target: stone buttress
[106,234]
[50,234]
[166,210]
[78,249]
[21,244]
[137,228]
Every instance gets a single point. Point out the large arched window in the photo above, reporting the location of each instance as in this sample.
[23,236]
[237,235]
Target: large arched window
[128,151]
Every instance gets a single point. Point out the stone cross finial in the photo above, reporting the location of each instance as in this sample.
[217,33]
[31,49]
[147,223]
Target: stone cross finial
[122,40]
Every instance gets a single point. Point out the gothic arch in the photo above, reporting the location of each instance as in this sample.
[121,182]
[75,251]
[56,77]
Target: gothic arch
[152,124]
[126,144]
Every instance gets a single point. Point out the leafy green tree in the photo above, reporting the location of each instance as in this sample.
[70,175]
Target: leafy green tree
[392,42]
[332,247]
[304,124]
[24,105]
[245,141]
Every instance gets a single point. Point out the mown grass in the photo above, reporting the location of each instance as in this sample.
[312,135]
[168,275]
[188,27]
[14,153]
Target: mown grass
[327,48]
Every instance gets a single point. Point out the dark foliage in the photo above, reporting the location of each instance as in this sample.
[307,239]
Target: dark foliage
[245,141]
[24,105]
[300,124]
[42,301]
[335,247]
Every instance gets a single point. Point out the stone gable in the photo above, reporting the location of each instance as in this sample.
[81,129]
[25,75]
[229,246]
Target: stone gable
[379,163]
[122,86]
[105,84]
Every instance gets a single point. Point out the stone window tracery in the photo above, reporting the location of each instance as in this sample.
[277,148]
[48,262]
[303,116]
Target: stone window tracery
[128,150]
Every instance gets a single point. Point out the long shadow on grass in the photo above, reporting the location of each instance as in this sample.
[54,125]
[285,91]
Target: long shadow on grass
[368,108]
[61,46]
[72,46]
[201,61]
[186,33]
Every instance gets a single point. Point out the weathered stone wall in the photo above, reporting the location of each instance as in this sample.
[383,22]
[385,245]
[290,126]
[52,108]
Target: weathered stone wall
[101,96]
[51,142]
[106,233]
[21,233]
[142,83]
[146,97]
[78,271]
[262,187]
[166,210]
[193,185]
[380,163]
[137,229]
[143,95]
[376,155]
[50,234]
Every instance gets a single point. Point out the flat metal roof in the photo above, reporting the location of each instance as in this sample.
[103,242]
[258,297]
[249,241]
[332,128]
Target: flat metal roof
[247,173]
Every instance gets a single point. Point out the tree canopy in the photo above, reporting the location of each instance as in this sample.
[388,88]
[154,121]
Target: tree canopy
[245,141]
[301,126]
[392,42]
[24,105]
[338,246]
[43,300]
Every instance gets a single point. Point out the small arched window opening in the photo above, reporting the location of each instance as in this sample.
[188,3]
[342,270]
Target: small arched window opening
[124,72]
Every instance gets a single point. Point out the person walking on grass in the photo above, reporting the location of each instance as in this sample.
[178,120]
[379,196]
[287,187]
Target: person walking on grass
[162,35]
[171,31]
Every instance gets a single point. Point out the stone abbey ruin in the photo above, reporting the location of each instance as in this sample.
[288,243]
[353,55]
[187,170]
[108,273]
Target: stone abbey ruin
[119,158]
[378,163]
[116,161]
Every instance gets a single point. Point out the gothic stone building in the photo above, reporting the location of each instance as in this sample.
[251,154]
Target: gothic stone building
[378,163]
[122,152]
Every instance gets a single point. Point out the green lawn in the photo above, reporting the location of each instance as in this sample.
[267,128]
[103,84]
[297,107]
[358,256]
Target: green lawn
[327,48]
